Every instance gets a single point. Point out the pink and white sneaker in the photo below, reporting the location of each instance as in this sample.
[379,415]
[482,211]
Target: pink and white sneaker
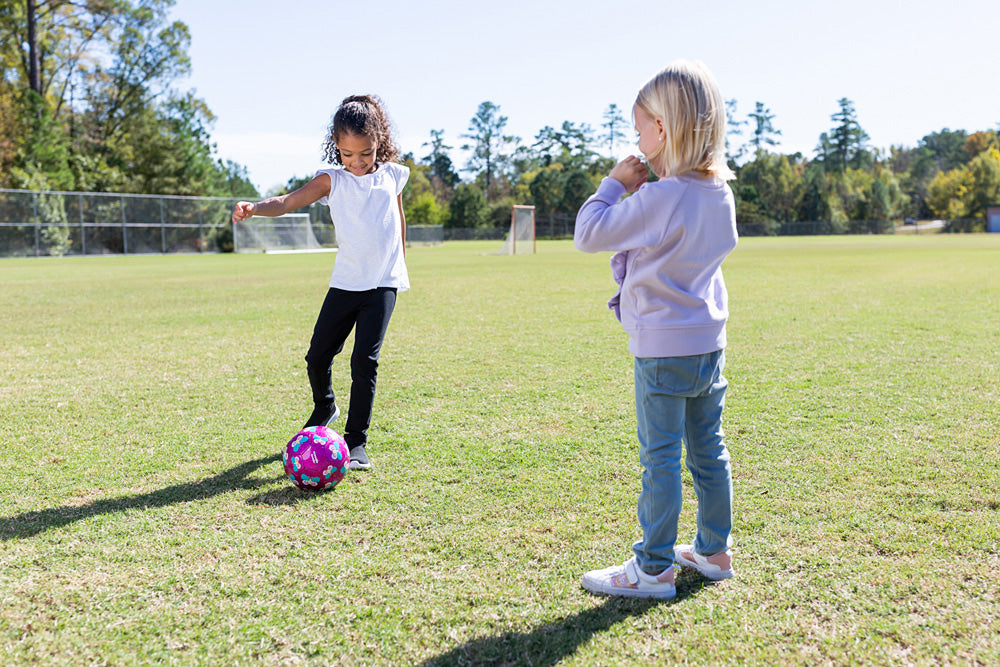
[715,567]
[628,580]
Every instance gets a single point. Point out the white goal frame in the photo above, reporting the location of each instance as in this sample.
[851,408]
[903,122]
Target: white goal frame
[291,232]
[521,237]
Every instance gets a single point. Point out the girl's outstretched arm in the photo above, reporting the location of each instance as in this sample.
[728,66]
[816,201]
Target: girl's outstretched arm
[272,207]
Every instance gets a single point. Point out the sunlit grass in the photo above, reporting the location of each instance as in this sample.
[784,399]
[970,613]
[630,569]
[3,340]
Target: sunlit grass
[144,517]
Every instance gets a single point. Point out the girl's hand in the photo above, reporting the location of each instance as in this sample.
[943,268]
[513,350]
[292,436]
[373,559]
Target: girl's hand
[243,210]
[631,172]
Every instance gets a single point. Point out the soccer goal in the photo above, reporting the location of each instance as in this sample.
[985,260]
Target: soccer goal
[521,238]
[424,235]
[292,232]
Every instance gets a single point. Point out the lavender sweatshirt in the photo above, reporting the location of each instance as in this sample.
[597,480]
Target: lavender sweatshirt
[671,237]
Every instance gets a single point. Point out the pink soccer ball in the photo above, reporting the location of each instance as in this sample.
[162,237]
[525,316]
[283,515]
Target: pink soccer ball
[316,458]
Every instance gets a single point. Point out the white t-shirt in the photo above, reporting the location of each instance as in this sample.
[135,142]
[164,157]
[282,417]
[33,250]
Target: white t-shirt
[366,216]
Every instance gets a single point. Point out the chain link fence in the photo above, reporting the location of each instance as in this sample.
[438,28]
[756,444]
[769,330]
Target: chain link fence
[817,228]
[53,223]
[50,223]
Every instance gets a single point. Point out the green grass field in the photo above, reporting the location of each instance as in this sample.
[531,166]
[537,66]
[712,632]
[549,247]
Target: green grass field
[144,517]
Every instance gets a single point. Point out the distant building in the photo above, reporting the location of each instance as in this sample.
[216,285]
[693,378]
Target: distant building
[993,218]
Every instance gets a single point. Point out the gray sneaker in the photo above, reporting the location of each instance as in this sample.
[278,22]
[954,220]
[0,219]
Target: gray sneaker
[359,458]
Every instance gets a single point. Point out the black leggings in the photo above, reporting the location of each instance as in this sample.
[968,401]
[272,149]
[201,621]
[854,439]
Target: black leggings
[368,314]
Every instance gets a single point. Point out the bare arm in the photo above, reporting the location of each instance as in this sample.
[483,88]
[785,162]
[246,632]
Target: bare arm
[272,207]
[402,221]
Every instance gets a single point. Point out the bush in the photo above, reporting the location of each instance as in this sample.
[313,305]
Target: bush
[425,210]
[468,207]
[500,211]
[965,226]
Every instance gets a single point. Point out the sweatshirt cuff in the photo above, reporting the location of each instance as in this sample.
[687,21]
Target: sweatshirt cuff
[611,189]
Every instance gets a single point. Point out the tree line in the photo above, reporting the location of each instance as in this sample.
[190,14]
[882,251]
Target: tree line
[88,101]
[949,174]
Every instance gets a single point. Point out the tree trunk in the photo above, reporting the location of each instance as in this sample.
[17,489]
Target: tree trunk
[34,74]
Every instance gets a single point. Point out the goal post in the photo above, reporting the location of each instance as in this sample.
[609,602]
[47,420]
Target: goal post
[283,233]
[521,237]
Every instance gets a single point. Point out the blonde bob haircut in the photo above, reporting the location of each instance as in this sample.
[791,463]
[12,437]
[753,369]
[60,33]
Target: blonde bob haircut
[686,96]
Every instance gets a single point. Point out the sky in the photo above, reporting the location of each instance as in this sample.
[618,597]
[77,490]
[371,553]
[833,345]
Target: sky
[273,73]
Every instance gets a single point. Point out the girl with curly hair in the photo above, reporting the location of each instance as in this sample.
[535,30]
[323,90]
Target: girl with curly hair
[364,193]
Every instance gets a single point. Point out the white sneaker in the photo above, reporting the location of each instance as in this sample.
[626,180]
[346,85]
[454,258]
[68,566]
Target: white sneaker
[628,580]
[715,567]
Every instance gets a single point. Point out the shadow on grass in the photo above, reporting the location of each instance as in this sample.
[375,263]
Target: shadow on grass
[550,643]
[30,524]
[289,495]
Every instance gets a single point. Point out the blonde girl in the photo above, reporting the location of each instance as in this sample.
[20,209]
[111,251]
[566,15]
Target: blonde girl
[671,237]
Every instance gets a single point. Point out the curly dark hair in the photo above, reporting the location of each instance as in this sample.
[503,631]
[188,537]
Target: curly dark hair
[361,115]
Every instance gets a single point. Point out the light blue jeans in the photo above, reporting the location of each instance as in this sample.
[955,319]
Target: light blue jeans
[680,399]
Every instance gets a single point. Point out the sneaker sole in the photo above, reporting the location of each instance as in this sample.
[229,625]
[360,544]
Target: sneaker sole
[614,591]
[354,465]
[601,585]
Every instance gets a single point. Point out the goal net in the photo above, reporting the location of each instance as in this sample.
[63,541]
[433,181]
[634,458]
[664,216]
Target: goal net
[289,232]
[424,235]
[521,238]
